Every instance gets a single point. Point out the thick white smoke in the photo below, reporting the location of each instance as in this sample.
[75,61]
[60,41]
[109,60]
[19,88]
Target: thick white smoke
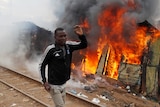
[12,51]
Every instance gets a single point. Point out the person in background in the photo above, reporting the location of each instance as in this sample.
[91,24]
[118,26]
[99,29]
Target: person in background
[58,57]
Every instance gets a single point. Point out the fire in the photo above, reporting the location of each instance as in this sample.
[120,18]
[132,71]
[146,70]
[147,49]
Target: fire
[125,40]
[85,24]
[91,57]
[112,65]
[90,63]
[155,34]
[132,4]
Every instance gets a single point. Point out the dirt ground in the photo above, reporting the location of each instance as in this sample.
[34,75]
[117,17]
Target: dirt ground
[114,96]
[12,98]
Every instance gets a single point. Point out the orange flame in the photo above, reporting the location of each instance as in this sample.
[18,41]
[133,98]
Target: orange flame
[122,36]
[85,24]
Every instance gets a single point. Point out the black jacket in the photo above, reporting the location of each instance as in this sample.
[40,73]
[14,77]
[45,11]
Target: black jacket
[59,65]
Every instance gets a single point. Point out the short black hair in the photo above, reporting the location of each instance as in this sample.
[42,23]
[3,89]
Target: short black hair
[58,29]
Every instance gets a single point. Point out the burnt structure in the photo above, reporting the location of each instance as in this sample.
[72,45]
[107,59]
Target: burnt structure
[145,77]
[149,80]
[35,38]
[151,64]
[148,77]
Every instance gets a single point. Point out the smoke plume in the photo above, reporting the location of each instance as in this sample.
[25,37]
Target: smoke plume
[13,43]
[75,12]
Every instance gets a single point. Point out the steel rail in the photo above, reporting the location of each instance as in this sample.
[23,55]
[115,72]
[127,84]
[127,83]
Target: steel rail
[67,92]
[35,99]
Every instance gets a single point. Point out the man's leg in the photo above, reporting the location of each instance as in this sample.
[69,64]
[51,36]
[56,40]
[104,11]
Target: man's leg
[57,96]
[63,94]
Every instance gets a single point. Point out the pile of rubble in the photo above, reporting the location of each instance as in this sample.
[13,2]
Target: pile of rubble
[108,92]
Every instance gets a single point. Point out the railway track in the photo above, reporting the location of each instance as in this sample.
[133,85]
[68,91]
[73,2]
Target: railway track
[19,88]
[34,91]
[11,96]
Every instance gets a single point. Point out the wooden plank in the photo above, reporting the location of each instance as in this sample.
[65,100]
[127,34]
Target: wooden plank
[152,71]
[101,63]
[129,74]
[155,52]
[151,80]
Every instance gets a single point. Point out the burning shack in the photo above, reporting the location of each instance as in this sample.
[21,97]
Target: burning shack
[141,74]
[147,72]
[123,49]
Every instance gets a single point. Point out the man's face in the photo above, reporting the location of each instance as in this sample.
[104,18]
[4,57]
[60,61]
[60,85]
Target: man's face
[60,37]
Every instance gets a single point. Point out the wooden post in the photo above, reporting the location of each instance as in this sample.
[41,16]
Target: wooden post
[145,60]
[143,79]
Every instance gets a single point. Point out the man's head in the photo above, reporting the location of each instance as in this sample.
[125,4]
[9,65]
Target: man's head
[60,36]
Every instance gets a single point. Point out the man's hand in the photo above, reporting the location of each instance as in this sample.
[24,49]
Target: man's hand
[78,30]
[47,86]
